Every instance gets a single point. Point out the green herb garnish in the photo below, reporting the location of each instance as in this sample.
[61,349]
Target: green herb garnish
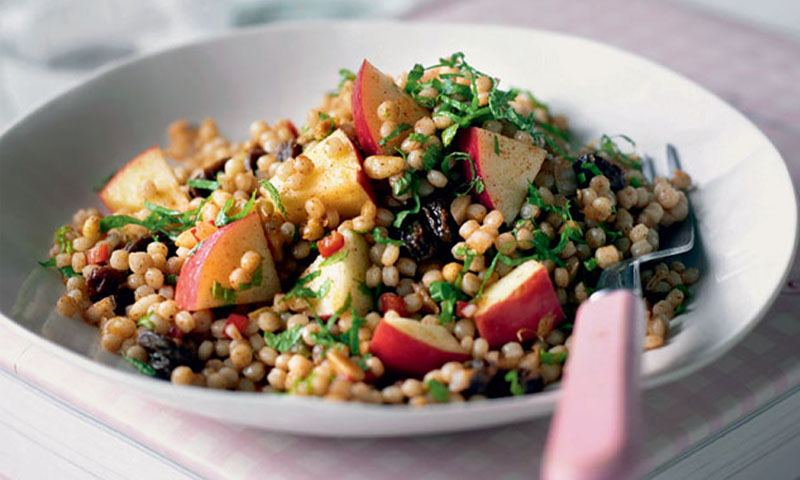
[275,195]
[496,146]
[548,358]
[447,294]
[285,340]
[344,75]
[255,280]
[378,236]
[301,291]
[141,366]
[438,390]
[635,182]
[224,219]
[61,238]
[203,184]
[590,264]
[219,292]
[337,257]
[397,131]
[512,377]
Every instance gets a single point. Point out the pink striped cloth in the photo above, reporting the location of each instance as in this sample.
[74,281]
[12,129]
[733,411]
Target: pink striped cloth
[756,72]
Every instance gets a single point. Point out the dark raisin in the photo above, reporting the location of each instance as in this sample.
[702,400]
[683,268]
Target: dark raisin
[417,242]
[140,244]
[122,299]
[440,222]
[104,281]
[252,158]
[165,354]
[208,173]
[611,171]
[531,382]
[482,379]
[288,149]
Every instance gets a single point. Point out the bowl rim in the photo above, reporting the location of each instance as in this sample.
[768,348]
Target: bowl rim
[546,399]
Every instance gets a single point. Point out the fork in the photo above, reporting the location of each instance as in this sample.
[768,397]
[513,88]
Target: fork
[596,429]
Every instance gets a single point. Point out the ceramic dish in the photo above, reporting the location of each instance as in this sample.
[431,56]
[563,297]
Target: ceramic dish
[745,204]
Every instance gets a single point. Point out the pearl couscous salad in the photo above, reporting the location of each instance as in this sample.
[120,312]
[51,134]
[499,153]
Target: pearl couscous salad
[419,240]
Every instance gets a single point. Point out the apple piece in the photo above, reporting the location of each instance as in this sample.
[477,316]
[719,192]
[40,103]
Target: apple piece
[338,181]
[371,88]
[344,271]
[513,308]
[414,348]
[214,261]
[124,192]
[505,166]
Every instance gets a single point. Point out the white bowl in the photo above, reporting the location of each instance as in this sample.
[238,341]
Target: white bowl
[747,216]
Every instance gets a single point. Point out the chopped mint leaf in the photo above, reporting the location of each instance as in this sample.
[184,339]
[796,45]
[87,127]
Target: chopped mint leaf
[285,340]
[447,295]
[224,219]
[438,390]
[378,236]
[141,366]
[275,195]
[512,377]
[221,293]
[337,257]
[397,131]
[548,358]
[203,184]
[255,280]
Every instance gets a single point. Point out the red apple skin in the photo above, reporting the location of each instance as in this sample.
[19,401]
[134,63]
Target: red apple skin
[516,317]
[505,174]
[370,88]
[216,258]
[407,355]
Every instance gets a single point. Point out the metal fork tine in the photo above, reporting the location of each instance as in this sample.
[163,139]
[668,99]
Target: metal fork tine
[648,170]
[673,160]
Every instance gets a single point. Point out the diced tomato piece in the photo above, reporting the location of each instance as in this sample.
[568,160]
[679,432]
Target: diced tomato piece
[392,301]
[237,320]
[330,244]
[97,254]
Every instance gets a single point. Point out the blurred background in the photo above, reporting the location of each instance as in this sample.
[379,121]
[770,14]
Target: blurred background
[48,45]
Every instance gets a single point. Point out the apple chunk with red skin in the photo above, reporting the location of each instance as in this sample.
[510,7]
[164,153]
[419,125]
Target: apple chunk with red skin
[505,166]
[414,348]
[217,257]
[124,193]
[371,88]
[512,309]
[337,180]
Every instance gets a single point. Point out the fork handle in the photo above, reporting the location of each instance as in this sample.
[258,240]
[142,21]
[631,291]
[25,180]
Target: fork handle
[596,428]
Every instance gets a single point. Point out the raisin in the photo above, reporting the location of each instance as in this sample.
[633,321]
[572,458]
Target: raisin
[611,171]
[288,149]
[440,222]
[208,173]
[104,281]
[140,244]
[252,158]
[488,380]
[415,237]
[122,299]
[165,354]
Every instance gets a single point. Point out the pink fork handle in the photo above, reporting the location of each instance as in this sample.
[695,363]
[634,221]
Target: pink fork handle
[596,428]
